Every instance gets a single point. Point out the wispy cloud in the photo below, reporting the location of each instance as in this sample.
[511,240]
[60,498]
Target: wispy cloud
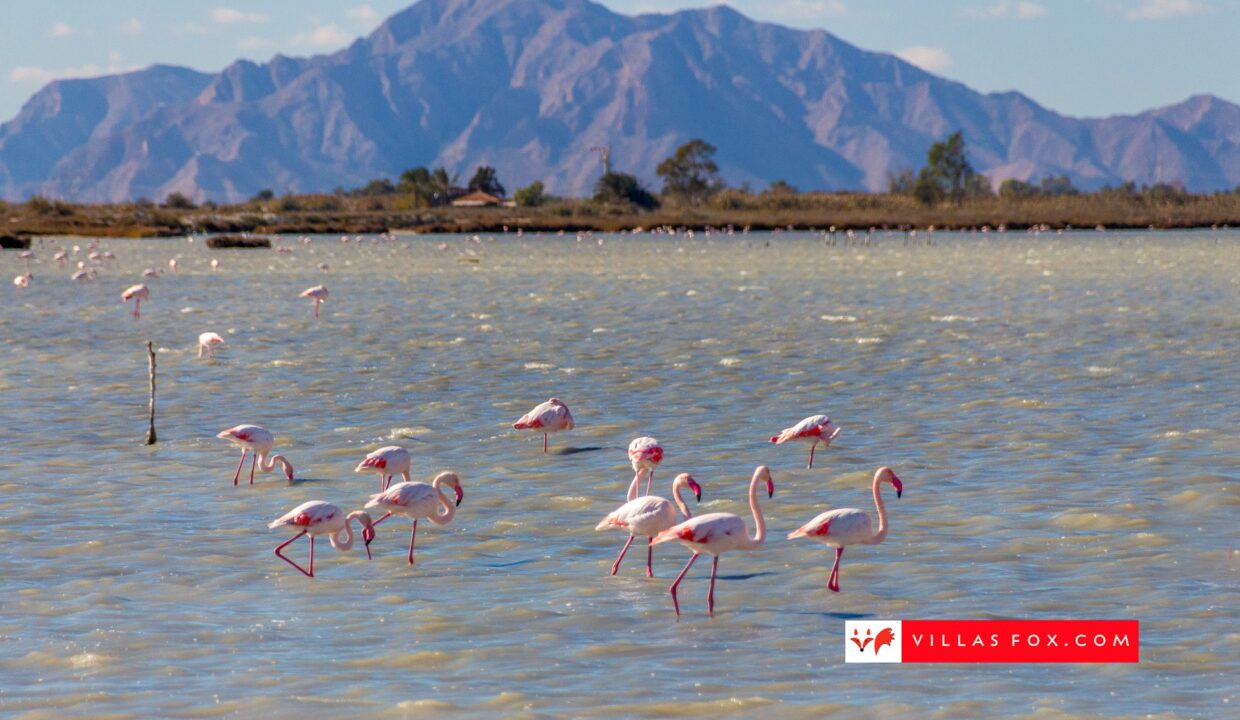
[1165,9]
[809,9]
[364,13]
[229,16]
[61,30]
[323,36]
[30,74]
[930,59]
[1019,9]
[132,26]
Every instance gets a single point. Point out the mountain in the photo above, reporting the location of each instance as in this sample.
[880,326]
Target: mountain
[529,86]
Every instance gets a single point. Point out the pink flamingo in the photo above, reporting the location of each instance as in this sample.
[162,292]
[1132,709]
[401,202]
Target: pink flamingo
[416,500]
[319,293]
[551,416]
[23,281]
[137,293]
[813,429]
[258,440]
[648,516]
[715,533]
[645,453]
[387,461]
[850,526]
[321,518]
[207,341]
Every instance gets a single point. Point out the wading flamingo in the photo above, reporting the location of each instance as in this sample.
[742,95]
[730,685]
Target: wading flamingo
[318,293]
[137,293]
[645,453]
[814,429]
[258,440]
[23,281]
[207,341]
[416,500]
[648,516]
[387,461]
[850,526]
[715,533]
[551,416]
[320,518]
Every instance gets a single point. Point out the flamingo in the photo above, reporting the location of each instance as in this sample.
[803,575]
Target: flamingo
[850,526]
[416,500]
[137,293]
[207,341]
[150,273]
[551,416]
[387,461]
[172,264]
[215,264]
[258,440]
[645,453]
[319,293]
[23,281]
[61,258]
[321,518]
[648,516]
[813,429]
[715,533]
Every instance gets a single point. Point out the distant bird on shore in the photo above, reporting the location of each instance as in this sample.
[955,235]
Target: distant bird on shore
[645,453]
[215,264]
[814,429]
[850,526]
[317,518]
[23,281]
[387,462]
[318,293]
[137,293]
[150,273]
[417,500]
[207,341]
[61,258]
[648,516]
[258,440]
[716,533]
[551,416]
[172,264]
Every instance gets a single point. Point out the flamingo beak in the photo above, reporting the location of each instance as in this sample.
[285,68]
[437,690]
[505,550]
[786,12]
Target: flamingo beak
[697,489]
[368,534]
[899,486]
[770,488]
[460,495]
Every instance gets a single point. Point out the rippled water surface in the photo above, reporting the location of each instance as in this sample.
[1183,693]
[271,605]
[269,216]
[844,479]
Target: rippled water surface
[1062,410]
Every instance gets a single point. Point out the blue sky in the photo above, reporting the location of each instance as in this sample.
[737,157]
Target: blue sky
[1080,57]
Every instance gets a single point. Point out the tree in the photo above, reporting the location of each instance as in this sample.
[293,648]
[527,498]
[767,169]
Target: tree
[264,194]
[619,187]
[484,180]
[531,195]
[1013,189]
[947,173]
[443,185]
[902,182]
[1057,185]
[178,201]
[691,174]
[419,183]
[781,187]
[379,186]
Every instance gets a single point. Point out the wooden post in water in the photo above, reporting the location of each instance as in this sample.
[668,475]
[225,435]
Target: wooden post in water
[150,356]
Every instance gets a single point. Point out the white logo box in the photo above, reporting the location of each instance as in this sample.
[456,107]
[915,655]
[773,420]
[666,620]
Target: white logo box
[872,641]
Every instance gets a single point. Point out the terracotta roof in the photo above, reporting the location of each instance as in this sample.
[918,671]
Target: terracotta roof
[476,198]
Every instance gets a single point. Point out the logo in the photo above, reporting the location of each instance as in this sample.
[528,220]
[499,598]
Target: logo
[872,641]
[992,641]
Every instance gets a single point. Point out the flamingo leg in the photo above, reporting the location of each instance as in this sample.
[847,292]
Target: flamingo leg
[811,454]
[316,309]
[615,567]
[649,557]
[833,583]
[237,476]
[710,594]
[681,576]
[544,442]
[376,523]
[253,462]
[412,536]
[290,562]
[137,305]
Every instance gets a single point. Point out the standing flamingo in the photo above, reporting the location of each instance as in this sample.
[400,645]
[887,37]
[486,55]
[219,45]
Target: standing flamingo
[813,429]
[207,341]
[387,461]
[645,453]
[258,440]
[319,293]
[137,293]
[416,500]
[648,516]
[23,281]
[715,533]
[321,518]
[850,526]
[551,416]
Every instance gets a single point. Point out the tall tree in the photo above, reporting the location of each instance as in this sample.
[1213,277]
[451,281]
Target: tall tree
[620,187]
[948,174]
[691,174]
[484,179]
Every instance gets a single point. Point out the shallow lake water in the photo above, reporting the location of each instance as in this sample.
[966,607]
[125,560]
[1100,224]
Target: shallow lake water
[1062,410]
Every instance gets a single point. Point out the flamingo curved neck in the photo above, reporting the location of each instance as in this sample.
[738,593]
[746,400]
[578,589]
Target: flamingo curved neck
[680,502]
[882,513]
[759,534]
[267,463]
[347,543]
[634,486]
[449,509]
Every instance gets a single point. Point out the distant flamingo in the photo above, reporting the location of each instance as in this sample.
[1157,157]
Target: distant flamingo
[849,526]
[215,264]
[648,516]
[319,293]
[814,429]
[172,264]
[551,416]
[416,500]
[23,281]
[61,258]
[387,461]
[207,341]
[258,440]
[645,453]
[137,293]
[320,518]
[719,532]
[150,273]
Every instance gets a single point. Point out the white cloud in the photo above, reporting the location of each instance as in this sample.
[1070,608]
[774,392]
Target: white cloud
[1019,9]
[31,74]
[324,36]
[228,16]
[40,75]
[365,13]
[254,42]
[930,59]
[132,26]
[60,30]
[807,9]
[1164,9]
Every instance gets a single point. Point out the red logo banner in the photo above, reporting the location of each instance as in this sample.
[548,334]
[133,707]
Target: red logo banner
[1020,641]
